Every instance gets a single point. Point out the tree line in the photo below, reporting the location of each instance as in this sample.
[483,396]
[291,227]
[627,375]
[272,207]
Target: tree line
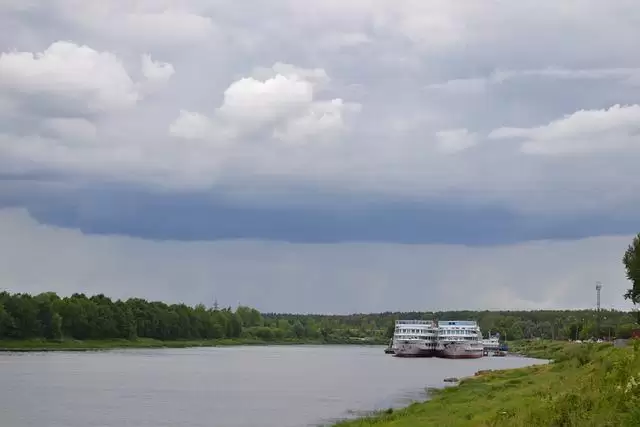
[511,325]
[81,317]
[23,316]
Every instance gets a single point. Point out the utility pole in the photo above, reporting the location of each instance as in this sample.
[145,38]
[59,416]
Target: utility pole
[215,304]
[598,289]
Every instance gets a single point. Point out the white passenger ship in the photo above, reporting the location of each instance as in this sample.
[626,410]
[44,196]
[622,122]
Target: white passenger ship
[459,339]
[455,339]
[414,338]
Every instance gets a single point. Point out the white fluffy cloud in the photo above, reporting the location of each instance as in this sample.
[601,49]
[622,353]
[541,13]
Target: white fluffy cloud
[586,131]
[77,73]
[283,103]
[67,70]
[62,96]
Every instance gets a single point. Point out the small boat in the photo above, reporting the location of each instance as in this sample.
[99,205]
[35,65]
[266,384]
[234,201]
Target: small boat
[492,343]
[389,348]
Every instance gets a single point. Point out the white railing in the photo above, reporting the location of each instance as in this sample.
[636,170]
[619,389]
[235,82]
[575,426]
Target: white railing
[414,322]
[442,323]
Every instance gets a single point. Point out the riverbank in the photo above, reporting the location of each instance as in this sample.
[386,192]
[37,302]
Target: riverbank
[585,385]
[93,345]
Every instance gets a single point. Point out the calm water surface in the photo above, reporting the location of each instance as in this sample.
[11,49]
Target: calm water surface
[284,386]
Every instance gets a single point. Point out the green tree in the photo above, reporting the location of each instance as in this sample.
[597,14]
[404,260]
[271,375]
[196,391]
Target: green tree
[390,330]
[250,316]
[5,322]
[56,326]
[631,261]
[235,326]
[298,329]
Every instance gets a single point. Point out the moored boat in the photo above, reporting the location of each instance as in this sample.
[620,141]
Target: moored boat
[492,343]
[459,339]
[389,349]
[415,338]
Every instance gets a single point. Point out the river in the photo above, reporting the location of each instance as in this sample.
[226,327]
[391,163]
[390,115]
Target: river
[283,386]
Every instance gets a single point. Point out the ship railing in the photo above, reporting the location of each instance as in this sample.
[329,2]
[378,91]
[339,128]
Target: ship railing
[414,322]
[442,323]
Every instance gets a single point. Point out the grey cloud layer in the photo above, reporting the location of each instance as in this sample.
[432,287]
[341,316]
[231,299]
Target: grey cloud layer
[337,278]
[411,99]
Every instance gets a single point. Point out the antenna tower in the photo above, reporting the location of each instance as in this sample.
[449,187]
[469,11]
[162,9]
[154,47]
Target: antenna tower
[598,289]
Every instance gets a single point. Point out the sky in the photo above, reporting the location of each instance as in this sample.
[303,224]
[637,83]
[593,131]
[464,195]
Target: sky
[335,156]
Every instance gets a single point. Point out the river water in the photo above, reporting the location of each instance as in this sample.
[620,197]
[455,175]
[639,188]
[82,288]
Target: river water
[283,386]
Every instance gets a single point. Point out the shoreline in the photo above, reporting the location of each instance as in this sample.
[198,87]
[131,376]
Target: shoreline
[575,388]
[27,346]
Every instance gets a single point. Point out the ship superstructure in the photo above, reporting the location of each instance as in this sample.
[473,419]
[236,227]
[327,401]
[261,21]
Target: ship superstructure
[459,339]
[416,338]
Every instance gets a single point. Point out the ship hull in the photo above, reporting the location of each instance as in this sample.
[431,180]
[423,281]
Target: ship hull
[414,350]
[461,350]
[462,356]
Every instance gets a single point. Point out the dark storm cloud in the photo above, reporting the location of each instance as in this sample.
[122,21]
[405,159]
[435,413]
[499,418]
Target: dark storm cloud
[194,217]
[330,278]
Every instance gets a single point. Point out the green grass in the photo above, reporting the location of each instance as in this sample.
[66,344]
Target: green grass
[88,345]
[587,385]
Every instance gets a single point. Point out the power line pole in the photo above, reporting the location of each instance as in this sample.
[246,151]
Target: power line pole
[598,289]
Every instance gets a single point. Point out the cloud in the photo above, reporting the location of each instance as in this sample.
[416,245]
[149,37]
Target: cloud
[626,75]
[586,131]
[70,129]
[324,118]
[455,140]
[168,27]
[341,40]
[76,73]
[295,278]
[269,104]
[192,125]
[59,102]
[284,102]
[156,73]
[474,85]
[478,85]
[70,71]
[143,24]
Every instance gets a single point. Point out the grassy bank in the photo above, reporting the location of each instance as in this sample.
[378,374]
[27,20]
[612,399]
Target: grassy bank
[586,385]
[75,345]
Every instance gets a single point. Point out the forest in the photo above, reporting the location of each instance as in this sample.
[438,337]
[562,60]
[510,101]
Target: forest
[80,317]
